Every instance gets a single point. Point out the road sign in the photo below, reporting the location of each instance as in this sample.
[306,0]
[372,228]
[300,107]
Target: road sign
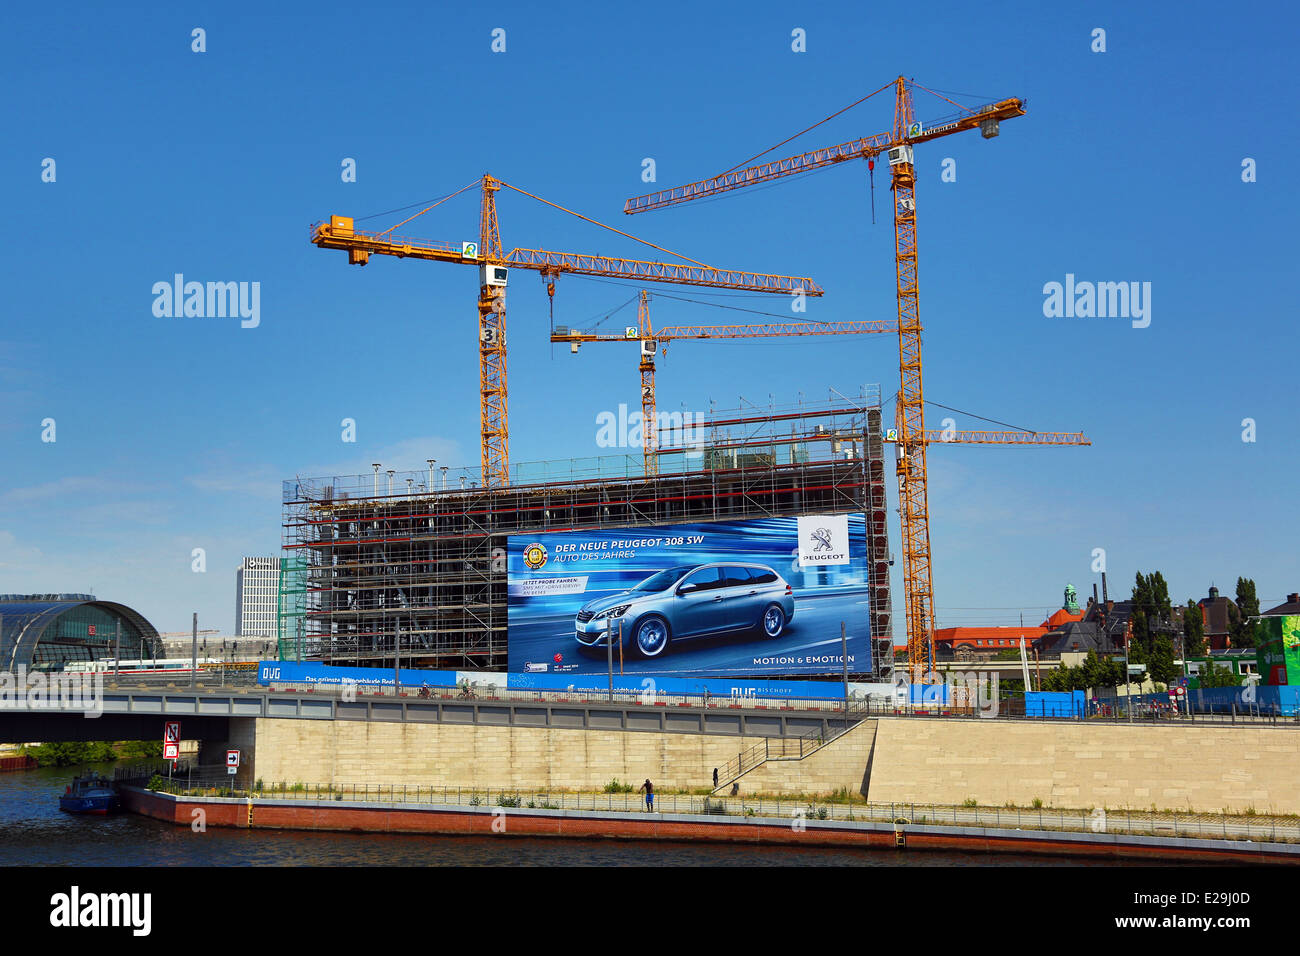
[171,751]
[1180,691]
[172,732]
[232,758]
[91,630]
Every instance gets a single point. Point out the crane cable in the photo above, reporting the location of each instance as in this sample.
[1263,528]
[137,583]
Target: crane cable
[802,131]
[628,235]
[427,208]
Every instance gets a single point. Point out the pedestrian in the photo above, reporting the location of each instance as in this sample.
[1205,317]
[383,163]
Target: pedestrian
[715,778]
[648,789]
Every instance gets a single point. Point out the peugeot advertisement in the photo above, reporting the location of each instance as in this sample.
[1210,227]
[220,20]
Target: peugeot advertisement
[761,597]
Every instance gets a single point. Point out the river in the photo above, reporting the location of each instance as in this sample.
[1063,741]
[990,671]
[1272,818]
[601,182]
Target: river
[34,832]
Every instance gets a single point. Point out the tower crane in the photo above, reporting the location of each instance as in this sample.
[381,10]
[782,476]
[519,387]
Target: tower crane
[897,145]
[494,264]
[649,340]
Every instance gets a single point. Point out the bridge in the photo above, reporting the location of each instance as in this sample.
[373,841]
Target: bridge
[137,712]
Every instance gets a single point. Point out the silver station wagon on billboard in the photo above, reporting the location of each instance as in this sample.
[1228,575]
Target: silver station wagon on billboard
[699,600]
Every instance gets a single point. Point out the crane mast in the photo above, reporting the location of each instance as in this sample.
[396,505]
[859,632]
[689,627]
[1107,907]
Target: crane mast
[648,338]
[494,264]
[911,436]
[495,441]
[913,491]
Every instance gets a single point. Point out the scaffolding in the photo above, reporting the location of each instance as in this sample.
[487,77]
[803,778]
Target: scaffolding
[409,569]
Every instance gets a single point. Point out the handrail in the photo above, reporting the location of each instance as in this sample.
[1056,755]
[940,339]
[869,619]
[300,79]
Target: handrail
[1204,825]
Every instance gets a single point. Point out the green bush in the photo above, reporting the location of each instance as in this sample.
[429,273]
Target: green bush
[504,801]
[140,748]
[615,786]
[72,752]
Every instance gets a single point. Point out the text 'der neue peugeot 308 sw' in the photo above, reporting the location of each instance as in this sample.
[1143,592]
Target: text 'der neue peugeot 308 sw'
[700,600]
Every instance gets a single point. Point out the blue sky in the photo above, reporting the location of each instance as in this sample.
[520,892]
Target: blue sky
[174,434]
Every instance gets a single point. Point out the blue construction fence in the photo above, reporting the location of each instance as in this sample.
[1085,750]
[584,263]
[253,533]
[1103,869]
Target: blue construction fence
[1245,700]
[325,674]
[1070,704]
[1263,701]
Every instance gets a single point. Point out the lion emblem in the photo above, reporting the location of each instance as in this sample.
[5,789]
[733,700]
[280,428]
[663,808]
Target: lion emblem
[822,539]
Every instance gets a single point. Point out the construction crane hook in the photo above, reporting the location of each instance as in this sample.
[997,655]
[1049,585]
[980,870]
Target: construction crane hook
[549,279]
[871,174]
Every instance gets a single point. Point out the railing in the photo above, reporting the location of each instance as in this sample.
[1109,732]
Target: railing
[743,763]
[1145,711]
[207,679]
[1244,826]
[794,748]
[483,692]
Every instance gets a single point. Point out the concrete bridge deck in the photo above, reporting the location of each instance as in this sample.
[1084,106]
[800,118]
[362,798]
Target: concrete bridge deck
[137,713]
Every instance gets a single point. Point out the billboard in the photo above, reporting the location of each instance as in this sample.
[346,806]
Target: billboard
[1279,649]
[760,597]
[491,684]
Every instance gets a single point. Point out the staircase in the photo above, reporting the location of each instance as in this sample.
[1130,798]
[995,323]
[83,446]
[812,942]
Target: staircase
[790,748]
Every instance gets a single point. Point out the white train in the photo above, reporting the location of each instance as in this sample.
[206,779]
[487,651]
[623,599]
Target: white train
[182,666]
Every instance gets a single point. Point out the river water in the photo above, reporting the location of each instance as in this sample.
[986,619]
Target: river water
[33,831]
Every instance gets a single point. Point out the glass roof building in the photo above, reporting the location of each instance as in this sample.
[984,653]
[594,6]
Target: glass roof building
[47,631]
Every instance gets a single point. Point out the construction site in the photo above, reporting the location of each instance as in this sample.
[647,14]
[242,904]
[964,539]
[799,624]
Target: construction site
[409,569]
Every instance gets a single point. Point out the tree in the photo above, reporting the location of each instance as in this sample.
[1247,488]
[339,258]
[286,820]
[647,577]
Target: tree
[1218,676]
[1093,672]
[1164,610]
[1142,606]
[1091,668]
[1110,673]
[1193,630]
[1152,610]
[1242,625]
[1161,667]
[1137,651]
[1064,679]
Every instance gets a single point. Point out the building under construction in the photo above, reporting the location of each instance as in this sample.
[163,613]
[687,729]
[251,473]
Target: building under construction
[409,568]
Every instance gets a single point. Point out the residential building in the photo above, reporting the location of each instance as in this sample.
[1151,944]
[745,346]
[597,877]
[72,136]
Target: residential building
[1218,613]
[984,643]
[1289,607]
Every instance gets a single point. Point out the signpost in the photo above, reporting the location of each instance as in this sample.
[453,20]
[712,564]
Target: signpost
[172,738]
[232,762]
[1177,697]
[171,744]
